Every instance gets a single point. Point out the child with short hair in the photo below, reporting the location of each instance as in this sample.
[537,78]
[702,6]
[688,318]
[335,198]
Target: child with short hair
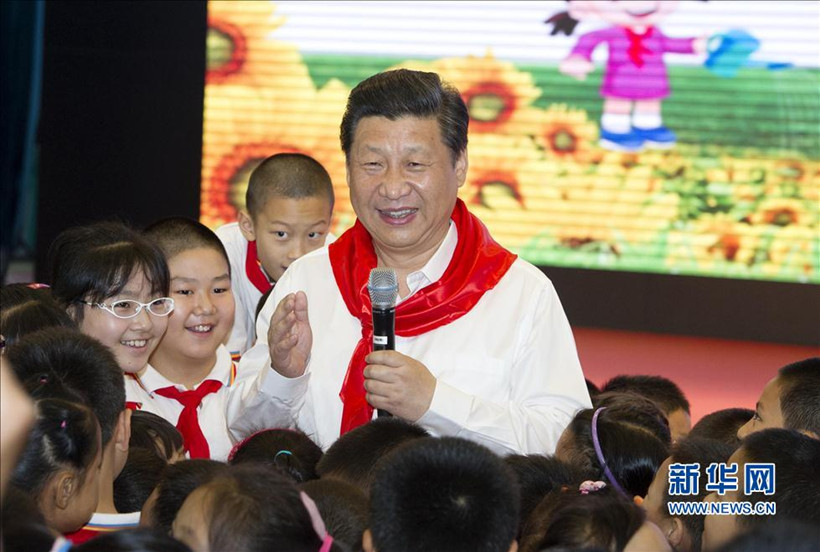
[443,494]
[254,509]
[684,532]
[722,425]
[663,392]
[289,205]
[796,486]
[353,457]
[64,363]
[60,465]
[790,400]
[190,375]
[177,482]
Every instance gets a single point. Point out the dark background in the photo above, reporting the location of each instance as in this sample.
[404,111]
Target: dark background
[121,136]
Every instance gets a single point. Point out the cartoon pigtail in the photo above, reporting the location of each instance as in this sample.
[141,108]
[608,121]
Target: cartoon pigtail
[562,22]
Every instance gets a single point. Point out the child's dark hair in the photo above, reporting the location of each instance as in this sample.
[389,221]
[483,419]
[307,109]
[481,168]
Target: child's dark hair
[662,391]
[636,409]
[155,433]
[95,262]
[175,235]
[703,452]
[796,458]
[627,454]
[24,310]
[135,483]
[722,425]
[445,494]
[64,436]
[777,534]
[800,395]
[539,475]
[52,360]
[289,451]
[256,509]
[24,527]
[132,540]
[343,508]
[353,456]
[567,519]
[177,482]
[287,175]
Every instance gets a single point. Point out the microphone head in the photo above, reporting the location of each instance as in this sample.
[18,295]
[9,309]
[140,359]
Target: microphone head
[383,287]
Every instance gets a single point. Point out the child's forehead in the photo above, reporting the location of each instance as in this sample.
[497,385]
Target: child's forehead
[298,207]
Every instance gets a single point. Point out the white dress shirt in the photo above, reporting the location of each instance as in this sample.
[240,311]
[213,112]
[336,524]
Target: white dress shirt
[508,374]
[217,410]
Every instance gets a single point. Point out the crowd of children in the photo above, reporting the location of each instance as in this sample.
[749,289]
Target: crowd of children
[129,425]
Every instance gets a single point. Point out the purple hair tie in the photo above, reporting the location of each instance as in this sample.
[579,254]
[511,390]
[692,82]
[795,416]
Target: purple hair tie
[599,453]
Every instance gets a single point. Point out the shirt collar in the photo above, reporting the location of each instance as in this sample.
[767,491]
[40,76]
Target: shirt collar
[152,380]
[435,267]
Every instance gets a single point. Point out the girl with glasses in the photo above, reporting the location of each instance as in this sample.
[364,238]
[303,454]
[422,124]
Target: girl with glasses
[114,284]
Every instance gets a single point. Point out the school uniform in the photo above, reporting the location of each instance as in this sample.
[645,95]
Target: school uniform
[210,405]
[99,524]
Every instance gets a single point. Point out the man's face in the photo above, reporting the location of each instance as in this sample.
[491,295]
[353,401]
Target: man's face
[403,183]
[767,411]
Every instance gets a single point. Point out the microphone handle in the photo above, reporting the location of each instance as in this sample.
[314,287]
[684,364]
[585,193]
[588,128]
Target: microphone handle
[384,337]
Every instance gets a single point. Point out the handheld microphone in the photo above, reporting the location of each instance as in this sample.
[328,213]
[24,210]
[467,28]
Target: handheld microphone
[383,287]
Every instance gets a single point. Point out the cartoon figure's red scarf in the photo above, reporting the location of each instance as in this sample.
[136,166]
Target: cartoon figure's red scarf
[478,264]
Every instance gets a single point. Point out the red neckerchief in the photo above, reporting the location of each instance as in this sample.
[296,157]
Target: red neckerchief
[253,268]
[477,265]
[636,47]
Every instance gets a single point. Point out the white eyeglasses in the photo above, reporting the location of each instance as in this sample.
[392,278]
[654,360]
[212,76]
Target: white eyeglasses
[128,308]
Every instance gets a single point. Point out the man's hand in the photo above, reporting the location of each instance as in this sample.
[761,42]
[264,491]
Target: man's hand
[399,384]
[577,67]
[289,336]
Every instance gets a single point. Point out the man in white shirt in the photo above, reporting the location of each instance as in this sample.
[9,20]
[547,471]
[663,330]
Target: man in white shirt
[483,348]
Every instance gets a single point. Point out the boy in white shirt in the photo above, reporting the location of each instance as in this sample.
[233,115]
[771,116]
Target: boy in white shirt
[289,204]
[190,375]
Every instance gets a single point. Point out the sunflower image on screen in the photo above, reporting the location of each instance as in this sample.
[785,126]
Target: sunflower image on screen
[635,80]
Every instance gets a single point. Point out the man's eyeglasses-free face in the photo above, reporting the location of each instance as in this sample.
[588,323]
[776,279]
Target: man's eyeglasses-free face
[128,308]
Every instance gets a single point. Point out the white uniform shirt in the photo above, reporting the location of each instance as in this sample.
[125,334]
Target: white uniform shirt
[246,294]
[217,409]
[508,374]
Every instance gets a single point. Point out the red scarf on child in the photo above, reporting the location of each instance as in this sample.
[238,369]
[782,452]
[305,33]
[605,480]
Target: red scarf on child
[478,264]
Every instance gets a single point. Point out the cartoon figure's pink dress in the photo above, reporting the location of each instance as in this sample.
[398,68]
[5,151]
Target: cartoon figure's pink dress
[635,69]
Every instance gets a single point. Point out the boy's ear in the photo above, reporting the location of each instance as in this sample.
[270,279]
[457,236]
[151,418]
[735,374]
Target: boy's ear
[123,434]
[72,312]
[64,489]
[246,225]
[367,541]
[674,533]
[514,546]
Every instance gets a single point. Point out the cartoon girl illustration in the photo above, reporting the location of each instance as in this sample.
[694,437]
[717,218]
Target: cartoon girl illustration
[635,82]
